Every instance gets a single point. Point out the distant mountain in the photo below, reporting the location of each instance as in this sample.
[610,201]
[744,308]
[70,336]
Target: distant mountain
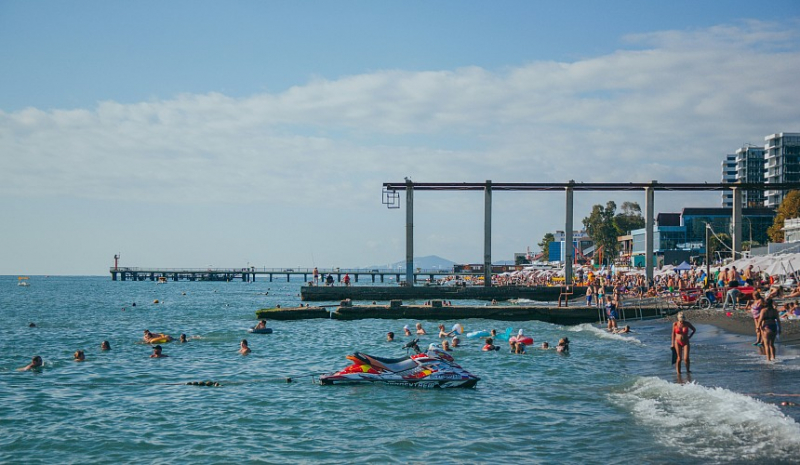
[427,263]
[432,262]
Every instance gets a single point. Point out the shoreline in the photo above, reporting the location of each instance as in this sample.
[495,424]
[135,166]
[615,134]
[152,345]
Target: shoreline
[740,322]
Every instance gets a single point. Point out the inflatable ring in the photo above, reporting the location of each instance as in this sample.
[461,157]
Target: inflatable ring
[160,339]
[260,331]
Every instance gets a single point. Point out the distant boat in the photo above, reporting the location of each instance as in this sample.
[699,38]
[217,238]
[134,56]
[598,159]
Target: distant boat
[162,280]
[23,281]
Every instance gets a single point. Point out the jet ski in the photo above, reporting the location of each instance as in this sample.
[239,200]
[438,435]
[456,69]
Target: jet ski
[432,369]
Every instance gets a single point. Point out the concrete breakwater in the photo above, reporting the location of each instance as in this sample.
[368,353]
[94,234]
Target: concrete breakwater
[396,310]
[499,293]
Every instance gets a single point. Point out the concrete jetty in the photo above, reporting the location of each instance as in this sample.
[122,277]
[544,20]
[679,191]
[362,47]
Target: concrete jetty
[499,293]
[437,311]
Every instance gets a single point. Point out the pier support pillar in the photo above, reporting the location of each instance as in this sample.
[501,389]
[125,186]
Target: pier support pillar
[649,225]
[113,276]
[487,235]
[409,233]
[568,252]
[736,223]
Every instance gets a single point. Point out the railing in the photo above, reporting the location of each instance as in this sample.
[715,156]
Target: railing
[437,271]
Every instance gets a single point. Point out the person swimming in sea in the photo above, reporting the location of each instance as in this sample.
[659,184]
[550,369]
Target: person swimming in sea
[79,356]
[36,363]
[563,345]
[406,331]
[261,325]
[157,353]
[105,345]
[420,330]
[244,349]
[444,333]
[389,336]
[489,345]
[182,339]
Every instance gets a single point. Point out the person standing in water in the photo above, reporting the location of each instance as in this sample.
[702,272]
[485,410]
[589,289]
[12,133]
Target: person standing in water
[770,324]
[680,341]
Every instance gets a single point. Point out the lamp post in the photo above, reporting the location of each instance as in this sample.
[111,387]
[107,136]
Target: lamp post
[708,255]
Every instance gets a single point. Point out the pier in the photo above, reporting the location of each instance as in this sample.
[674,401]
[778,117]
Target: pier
[245,274]
[437,311]
[499,293]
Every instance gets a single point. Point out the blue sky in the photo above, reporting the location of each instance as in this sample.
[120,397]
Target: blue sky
[225,133]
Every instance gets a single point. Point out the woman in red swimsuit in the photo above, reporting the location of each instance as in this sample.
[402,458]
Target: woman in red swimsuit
[680,341]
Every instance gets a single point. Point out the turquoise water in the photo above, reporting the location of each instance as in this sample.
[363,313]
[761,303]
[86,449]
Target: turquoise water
[614,399]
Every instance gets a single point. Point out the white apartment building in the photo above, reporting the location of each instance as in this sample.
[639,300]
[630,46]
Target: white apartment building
[781,163]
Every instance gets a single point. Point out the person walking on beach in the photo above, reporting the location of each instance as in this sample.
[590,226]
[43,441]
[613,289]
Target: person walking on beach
[770,323]
[680,341]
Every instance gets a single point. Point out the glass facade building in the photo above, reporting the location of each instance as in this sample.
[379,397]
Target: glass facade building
[781,163]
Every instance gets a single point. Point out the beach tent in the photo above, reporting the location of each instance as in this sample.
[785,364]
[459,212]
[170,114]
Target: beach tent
[683,267]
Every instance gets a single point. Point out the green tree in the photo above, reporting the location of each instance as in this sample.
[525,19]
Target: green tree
[629,218]
[545,245]
[602,228]
[789,208]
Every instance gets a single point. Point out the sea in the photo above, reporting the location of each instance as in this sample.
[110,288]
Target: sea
[613,399]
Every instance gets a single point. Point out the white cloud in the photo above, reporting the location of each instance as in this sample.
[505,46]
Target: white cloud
[669,108]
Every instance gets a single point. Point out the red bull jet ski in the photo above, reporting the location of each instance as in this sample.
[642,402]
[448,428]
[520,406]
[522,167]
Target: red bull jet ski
[432,369]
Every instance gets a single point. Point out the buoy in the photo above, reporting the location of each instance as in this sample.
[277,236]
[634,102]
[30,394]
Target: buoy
[155,301]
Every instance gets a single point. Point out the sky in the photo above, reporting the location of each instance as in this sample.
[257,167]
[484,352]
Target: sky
[259,133]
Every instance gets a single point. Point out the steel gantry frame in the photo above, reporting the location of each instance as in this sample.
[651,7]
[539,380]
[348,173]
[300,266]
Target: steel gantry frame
[570,188]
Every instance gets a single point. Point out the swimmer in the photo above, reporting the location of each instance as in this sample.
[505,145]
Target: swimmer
[78,356]
[563,345]
[489,346]
[445,346]
[406,331]
[389,336]
[420,330]
[626,329]
[788,403]
[182,339]
[105,345]
[36,363]
[520,348]
[263,324]
[456,341]
[494,333]
[545,345]
[157,353]
[32,325]
[244,350]
[443,333]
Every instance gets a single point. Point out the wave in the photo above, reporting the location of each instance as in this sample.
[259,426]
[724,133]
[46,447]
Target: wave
[712,423]
[603,334]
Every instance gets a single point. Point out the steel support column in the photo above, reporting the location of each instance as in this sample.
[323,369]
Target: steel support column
[569,253]
[649,224]
[736,223]
[487,235]
[409,233]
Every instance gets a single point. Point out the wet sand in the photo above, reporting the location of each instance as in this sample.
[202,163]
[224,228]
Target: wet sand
[741,322]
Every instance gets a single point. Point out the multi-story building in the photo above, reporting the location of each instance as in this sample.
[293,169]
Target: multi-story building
[781,163]
[750,169]
[682,236]
[728,176]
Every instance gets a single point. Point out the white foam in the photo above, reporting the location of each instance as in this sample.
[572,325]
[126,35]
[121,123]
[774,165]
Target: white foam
[712,423]
[603,334]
